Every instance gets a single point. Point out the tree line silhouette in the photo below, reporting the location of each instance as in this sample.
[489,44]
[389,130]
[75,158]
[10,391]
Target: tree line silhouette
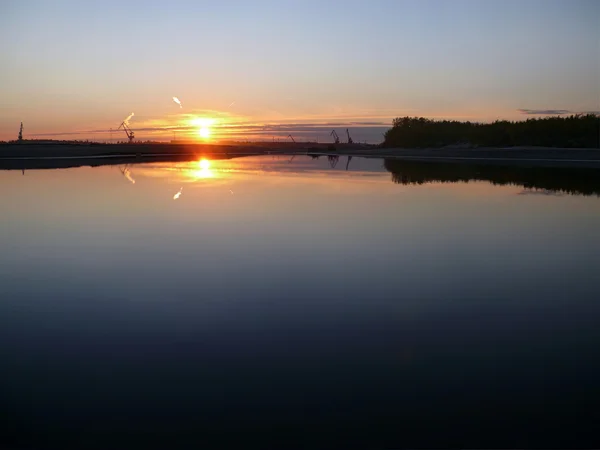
[575,131]
[561,180]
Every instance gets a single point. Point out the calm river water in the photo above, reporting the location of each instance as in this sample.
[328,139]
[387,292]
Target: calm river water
[281,302]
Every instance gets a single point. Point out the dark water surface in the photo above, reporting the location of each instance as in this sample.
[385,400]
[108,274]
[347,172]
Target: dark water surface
[292,303]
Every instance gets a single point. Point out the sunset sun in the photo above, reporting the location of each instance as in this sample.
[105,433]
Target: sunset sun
[204,132]
[203,126]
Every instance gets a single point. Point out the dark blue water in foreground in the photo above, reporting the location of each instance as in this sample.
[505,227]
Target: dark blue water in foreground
[290,304]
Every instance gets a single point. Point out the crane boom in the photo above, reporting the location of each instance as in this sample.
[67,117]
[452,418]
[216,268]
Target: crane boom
[349,138]
[335,136]
[128,131]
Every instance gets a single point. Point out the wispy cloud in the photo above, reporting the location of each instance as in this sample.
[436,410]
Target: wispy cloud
[548,192]
[237,128]
[553,112]
[544,112]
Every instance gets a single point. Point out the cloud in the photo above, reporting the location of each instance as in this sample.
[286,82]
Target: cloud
[239,128]
[534,191]
[547,112]
[554,112]
[301,132]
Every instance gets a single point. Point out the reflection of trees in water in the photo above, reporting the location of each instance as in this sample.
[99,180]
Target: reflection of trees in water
[571,181]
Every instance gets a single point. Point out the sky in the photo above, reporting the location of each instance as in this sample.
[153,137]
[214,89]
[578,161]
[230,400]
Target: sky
[266,69]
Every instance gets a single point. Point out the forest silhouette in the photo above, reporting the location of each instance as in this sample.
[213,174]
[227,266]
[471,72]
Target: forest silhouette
[575,131]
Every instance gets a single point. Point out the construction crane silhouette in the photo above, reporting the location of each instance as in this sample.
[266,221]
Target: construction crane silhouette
[290,136]
[127,130]
[349,138]
[335,136]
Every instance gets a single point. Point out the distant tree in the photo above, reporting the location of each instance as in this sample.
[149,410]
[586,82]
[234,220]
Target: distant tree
[582,130]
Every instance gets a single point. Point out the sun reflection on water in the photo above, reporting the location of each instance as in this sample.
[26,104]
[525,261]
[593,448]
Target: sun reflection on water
[201,169]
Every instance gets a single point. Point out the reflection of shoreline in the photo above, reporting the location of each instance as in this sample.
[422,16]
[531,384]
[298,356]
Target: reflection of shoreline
[544,179]
[68,163]
[42,155]
[575,181]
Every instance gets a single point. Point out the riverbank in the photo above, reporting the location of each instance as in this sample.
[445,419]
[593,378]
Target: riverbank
[511,156]
[43,155]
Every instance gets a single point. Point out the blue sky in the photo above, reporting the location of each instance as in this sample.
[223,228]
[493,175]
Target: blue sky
[74,66]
